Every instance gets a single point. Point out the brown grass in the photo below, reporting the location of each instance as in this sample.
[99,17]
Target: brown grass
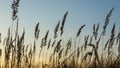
[57,53]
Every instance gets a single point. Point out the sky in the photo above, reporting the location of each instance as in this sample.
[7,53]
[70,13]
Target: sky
[49,12]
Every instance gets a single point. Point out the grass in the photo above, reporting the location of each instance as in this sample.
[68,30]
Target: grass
[67,55]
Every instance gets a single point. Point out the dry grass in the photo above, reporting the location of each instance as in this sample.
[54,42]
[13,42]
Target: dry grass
[19,55]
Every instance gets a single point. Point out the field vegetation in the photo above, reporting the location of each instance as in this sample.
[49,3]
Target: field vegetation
[55,52]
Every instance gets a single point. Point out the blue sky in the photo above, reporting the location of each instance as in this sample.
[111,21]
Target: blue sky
[48,12]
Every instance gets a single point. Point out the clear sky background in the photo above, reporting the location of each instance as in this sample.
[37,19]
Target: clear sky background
[48,12]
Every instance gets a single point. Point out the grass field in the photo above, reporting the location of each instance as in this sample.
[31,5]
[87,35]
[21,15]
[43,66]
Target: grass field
[95,51]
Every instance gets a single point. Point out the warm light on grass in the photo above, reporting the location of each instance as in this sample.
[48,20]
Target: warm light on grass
[56,52]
